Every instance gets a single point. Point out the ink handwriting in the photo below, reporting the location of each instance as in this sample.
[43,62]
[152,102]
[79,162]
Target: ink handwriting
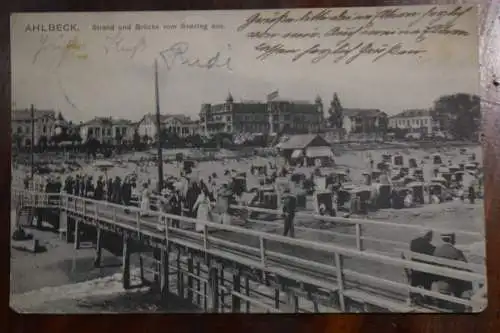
[117,43]
[179,54]
[63,48]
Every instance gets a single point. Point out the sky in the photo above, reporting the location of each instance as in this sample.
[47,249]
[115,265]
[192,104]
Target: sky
[101,77]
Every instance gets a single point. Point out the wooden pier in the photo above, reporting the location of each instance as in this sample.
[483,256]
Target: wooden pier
[234,269]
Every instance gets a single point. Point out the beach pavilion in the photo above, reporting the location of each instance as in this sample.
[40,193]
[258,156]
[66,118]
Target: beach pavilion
[306,150]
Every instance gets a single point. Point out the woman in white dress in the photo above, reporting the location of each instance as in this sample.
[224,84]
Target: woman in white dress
[145,200]
[203,208]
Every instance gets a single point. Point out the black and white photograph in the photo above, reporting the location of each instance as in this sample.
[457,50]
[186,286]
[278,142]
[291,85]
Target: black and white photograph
[322,160]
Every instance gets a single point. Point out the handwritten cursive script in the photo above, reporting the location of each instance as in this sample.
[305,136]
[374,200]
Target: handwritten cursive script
[346,52]
[116,42]
[63,48]
[178,54]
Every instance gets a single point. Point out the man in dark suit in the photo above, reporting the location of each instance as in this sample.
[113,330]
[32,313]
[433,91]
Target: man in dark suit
[447,285]
[421,279]
[289,209]
[176,207]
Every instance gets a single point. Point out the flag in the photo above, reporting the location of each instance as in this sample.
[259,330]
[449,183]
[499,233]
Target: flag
[272,95]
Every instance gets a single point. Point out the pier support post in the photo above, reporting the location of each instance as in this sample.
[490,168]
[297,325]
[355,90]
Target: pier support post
[77,234]
[235,300]
[276,298]
[190,268]
[141,268]
[247,293]
[70,230]
[213,285]
[292,301]
[157,255]
[222,281]
[126,262]
[180,277]
[98,248]
[198,282]
[164,284]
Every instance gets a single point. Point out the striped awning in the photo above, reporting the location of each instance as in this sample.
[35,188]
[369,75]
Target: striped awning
[319,152]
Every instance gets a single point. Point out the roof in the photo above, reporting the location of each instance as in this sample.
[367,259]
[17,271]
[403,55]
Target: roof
[243,107]
[122,122]
[26,114]
[106,121]
[301,141]
[413,113]
[165,117]
[251,106]
[362,112]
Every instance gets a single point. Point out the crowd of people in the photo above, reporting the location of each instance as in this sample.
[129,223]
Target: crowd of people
[188,195]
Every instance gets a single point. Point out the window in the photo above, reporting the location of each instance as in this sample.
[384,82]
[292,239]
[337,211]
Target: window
[44,130]
[19,130]
[27,129]
[109,131]
[91,132]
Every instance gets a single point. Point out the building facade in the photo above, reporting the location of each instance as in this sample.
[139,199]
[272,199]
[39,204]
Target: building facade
[415,121]
[268,117]
[363,121]
[106,130]
[42,125]
[182,125]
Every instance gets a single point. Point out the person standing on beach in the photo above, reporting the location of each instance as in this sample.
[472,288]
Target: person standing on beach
[176,205]
[109,189]
[117,190]
[76,186]
[145,200]
[223,200]
[289,209]
[126,192]
[203,209]
[190,199]
[99,189]
[82,187]
[89,187]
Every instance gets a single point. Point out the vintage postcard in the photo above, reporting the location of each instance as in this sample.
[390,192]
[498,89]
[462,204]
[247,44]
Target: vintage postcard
[257,161]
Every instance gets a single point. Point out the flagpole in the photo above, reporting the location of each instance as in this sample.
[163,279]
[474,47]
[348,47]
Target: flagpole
[32,151]
[158,131]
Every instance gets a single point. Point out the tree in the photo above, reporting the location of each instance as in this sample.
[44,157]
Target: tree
[75,137]
[42,143]
[136,139]
[335,113]
[383,126]
[92,145]
[194,140]
[459,114]
[170,139]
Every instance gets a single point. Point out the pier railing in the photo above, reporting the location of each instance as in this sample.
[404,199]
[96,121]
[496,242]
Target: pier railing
[355,237]
[327,269]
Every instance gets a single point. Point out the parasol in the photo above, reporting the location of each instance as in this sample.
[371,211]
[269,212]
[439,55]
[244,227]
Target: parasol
[104,166]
